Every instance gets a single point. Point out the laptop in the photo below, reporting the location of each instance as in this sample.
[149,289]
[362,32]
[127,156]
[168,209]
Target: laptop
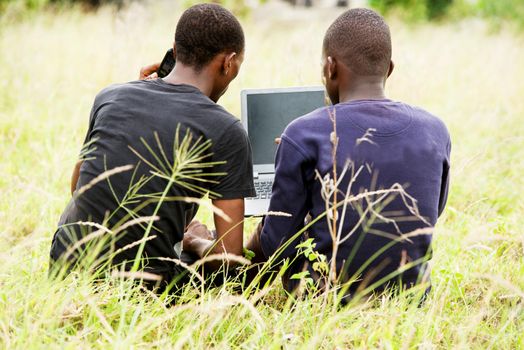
[265,115]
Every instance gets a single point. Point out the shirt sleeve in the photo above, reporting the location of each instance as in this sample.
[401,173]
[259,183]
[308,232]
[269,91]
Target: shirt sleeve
[289,195]
[444,188]
[88,140]
[92,116]
[234,150]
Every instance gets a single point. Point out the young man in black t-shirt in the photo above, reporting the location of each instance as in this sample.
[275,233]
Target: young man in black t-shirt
[135,132]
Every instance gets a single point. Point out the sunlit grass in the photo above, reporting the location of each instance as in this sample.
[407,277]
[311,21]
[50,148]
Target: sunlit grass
[54,64]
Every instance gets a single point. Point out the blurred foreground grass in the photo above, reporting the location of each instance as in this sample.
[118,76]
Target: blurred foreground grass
[53,64]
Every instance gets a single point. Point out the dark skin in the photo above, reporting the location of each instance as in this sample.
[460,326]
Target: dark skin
[342,85]
[212,80]
[75,176]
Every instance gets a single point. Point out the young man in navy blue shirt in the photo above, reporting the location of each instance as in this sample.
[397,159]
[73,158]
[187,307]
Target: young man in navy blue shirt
[391,142]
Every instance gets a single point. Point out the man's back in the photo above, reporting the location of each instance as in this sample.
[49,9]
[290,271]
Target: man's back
[393,143]
[143,124]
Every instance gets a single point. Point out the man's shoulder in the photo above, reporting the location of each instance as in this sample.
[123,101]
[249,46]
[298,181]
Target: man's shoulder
[234,126]
[109,90]
[314,120]
[426,120]
[424,115]
[218,122]
[117,88]
[226,117]
[305,133]
[183,95]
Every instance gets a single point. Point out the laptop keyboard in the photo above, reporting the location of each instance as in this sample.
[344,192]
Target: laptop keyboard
[263,189]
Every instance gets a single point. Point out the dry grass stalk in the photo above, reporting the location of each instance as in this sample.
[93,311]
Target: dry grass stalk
[102,230]
[222,257]
[209,206]
[134,244]
[192,270]
[138,275]
[330,184]
[103,176]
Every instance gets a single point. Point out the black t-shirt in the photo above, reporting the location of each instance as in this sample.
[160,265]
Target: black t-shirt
[137,124]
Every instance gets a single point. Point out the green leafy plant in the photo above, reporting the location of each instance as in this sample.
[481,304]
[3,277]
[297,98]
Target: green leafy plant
[414,10]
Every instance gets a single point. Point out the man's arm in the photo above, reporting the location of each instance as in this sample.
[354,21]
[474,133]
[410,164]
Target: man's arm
[87,141]
[229,238]
[444,189]
[230,235]
[289,195]
[75,176]
[233,154]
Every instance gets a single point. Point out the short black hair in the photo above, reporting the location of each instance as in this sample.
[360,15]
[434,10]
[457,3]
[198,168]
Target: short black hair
[204,31]
[361,39]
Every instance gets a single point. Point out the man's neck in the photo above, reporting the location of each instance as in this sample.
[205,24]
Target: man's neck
[183,74]
[363,88]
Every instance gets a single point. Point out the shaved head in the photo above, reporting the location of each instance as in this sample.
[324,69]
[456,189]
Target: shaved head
[204,31]
[361,40]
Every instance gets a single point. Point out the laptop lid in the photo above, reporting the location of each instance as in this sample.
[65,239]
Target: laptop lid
[267,112]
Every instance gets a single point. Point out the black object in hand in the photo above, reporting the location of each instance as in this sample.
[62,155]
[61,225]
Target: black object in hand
[167,65]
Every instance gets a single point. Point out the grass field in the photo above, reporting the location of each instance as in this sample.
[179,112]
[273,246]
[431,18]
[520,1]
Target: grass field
[53,64]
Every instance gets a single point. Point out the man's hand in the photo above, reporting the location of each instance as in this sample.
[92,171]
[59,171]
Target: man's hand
[229,234]
[197,239]
[149,72]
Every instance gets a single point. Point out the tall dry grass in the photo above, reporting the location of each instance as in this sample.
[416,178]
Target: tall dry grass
[54,63]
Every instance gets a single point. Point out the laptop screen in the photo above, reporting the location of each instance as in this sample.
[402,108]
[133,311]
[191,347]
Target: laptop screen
[269,113]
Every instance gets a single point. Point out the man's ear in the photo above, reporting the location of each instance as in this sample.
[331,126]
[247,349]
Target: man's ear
[391,67]
[332,68]
[228,62]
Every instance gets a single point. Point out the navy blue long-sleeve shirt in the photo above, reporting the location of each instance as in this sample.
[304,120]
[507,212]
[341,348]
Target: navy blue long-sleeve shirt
[394,143]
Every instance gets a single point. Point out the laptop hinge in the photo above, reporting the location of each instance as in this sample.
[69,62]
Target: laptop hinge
[257,174]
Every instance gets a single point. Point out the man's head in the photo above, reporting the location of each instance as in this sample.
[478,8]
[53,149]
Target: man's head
[358,44]
[209,36]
